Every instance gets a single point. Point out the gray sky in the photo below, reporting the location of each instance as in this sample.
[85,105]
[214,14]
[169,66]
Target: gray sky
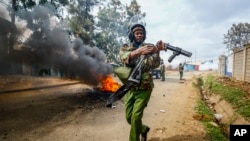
[197,26]
[194,25]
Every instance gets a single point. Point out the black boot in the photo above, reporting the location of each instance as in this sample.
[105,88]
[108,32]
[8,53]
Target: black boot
[144,135]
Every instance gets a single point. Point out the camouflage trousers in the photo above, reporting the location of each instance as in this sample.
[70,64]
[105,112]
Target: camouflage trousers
[181,75]
[162,76]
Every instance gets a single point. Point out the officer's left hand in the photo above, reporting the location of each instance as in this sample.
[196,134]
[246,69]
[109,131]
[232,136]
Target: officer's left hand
[161,45]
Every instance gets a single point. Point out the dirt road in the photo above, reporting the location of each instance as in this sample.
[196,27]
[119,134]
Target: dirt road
[50,109]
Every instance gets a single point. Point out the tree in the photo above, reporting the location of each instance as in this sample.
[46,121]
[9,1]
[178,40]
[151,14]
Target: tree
[113,22]
[81,21]
[237,35]
[110,29]
[29,4]
[17,8]
[134,9]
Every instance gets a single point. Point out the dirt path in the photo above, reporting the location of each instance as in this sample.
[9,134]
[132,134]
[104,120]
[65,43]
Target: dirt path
[71,111]
[178,100]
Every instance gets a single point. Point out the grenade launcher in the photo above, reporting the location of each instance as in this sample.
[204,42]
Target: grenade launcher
[135,76]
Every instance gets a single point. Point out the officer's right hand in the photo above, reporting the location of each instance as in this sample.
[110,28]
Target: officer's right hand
[147,49]
[144,50]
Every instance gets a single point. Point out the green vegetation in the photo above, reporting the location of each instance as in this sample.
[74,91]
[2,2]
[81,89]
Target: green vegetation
[199,83]
[99,23]
[213,133]
[236,32]
[232,95]
[235,96]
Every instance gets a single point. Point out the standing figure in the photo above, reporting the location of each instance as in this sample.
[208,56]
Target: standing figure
[137,98]
[162,68]
[181,69]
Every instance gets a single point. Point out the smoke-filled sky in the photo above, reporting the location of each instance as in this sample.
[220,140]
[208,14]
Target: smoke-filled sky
[194,25]
[48,45]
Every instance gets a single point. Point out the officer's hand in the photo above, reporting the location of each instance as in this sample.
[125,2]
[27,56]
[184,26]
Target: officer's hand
[161,45]
[147,49]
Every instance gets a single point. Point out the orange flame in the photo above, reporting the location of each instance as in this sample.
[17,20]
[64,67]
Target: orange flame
[109,84]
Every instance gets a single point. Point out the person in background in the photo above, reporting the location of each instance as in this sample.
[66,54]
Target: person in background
[162,69]
[181,69]
[137,98]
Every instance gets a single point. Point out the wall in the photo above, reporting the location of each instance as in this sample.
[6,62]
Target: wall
[189,67]
[229,65]
[238,64]
[222,65]
[247,64]
[241,64]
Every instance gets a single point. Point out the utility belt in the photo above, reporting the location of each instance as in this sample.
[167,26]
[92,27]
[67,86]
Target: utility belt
[145,86]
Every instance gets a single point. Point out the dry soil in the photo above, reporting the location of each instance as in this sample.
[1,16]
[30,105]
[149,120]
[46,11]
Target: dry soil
[53,109]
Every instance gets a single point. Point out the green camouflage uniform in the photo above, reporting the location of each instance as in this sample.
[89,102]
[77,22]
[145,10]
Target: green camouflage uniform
[162,68]
[137,98]
[181,68]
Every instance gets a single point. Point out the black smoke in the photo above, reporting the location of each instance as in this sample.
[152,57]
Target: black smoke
[49,46]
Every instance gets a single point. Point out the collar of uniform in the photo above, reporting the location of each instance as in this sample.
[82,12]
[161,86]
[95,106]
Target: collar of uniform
[134,48]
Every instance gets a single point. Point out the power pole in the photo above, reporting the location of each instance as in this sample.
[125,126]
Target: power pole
[195,56]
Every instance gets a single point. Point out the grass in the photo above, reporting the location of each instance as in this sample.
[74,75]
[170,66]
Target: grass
[213,133]
[232,95]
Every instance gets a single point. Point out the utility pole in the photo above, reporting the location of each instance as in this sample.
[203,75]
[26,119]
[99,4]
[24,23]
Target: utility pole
[195,57]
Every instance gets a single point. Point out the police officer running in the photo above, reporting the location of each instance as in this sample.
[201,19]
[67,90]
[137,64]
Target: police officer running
[137,98]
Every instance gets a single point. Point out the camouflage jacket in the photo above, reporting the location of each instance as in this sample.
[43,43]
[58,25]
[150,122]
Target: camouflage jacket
[181,68]
[151,62]
[162,68]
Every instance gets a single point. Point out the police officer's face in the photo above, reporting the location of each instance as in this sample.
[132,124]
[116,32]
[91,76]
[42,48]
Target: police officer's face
[138,36]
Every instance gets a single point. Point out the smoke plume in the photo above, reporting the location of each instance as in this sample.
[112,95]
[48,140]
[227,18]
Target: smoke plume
[50,46]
